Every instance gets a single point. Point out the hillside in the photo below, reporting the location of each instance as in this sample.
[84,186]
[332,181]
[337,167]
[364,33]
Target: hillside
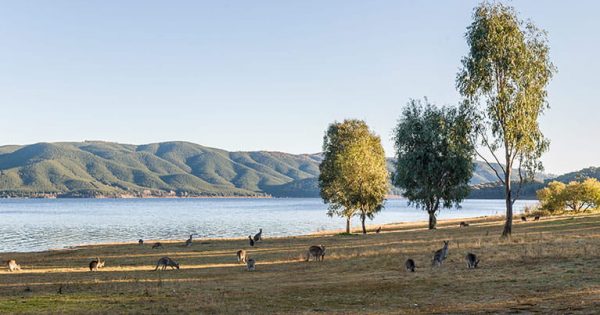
[495,191]
[105,169]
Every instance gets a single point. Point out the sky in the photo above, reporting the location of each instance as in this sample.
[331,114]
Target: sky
[266,75]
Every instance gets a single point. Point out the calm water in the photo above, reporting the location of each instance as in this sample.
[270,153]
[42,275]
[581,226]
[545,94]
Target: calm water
[40,224]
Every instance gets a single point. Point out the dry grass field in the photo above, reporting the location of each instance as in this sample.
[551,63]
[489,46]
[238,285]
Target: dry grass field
[551,266]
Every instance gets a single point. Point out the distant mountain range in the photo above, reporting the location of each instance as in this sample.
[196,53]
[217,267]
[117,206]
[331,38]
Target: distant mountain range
[493,190]
[168,169]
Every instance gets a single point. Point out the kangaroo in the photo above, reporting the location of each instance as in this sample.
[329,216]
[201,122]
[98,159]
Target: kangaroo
[537,218]
[251,264]
[523,218]
[12,265]
[241,255]
[188,242]
[440,255]
[410,265]
[378,230]
[472,261]
[96,264]
[258,236]
[464,224]
[165,262]
[318,252]
[157,245]
[251,240]
[140,242]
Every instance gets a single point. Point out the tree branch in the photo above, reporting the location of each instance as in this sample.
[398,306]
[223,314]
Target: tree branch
[518,193]
[490,165]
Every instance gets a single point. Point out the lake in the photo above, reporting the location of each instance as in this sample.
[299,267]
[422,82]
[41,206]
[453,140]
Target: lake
[41,224]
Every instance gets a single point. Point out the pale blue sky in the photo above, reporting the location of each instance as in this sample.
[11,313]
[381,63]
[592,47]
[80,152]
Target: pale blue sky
[271,75]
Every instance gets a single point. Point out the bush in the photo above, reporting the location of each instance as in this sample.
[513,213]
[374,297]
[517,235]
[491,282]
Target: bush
[574,196]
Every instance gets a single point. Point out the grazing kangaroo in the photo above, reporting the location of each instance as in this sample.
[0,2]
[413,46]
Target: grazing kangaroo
[251,264]
[251,240]
[188,242]
[318,252]
[96,264]
[258,236]
[537,218]
[464,224]
[378,230]
[241,255]
[165,262]
[523,218]
[472,261]
[410,265]
[12,265]
[140,242]
[440,255]
[157,245]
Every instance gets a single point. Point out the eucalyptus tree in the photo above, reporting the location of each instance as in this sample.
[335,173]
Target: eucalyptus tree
[354,178]
[434,156]
[503,80]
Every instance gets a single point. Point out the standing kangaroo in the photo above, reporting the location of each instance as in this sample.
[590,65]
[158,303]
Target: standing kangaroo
[410,265]
[258,236]
[241,255]
[140,242]
[96,264]
[165,262]
[318,252]
[188,242]
[251,240]
[440,255]
[472,261]
[378,230]
[12,265]
[251,264]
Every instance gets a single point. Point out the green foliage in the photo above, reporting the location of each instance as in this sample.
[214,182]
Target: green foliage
[353,174]
[575,196]
[434,156]
[503,82]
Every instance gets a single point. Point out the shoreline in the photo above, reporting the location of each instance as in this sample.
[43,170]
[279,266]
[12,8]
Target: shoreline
[421,224]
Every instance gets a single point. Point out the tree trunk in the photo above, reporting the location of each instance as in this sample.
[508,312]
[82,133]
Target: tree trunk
[362,220]
[432,220]
[509,205]
[348,225]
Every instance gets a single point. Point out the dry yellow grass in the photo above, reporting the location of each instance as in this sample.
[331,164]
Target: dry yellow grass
[550,266]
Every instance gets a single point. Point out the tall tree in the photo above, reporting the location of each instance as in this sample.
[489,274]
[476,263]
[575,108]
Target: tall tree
[354,178]
[503,81]
[434,156]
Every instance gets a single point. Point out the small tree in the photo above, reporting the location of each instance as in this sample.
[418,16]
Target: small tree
[504,79]
[551,197]
[353,178]
[575,196]
[434,157]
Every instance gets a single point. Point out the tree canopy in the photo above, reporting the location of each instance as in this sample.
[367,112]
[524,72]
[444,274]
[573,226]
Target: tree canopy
[434,156]
[575,196]
[353,178]
[503,81]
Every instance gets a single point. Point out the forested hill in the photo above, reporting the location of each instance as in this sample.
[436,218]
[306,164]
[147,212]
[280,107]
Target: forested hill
[496,191]
[105,169]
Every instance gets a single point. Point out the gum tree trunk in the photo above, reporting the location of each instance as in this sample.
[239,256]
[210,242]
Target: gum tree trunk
[509,205]
[347,225]
[362,220]
[432,219]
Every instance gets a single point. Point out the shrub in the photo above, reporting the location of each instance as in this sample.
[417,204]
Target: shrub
[575,196]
